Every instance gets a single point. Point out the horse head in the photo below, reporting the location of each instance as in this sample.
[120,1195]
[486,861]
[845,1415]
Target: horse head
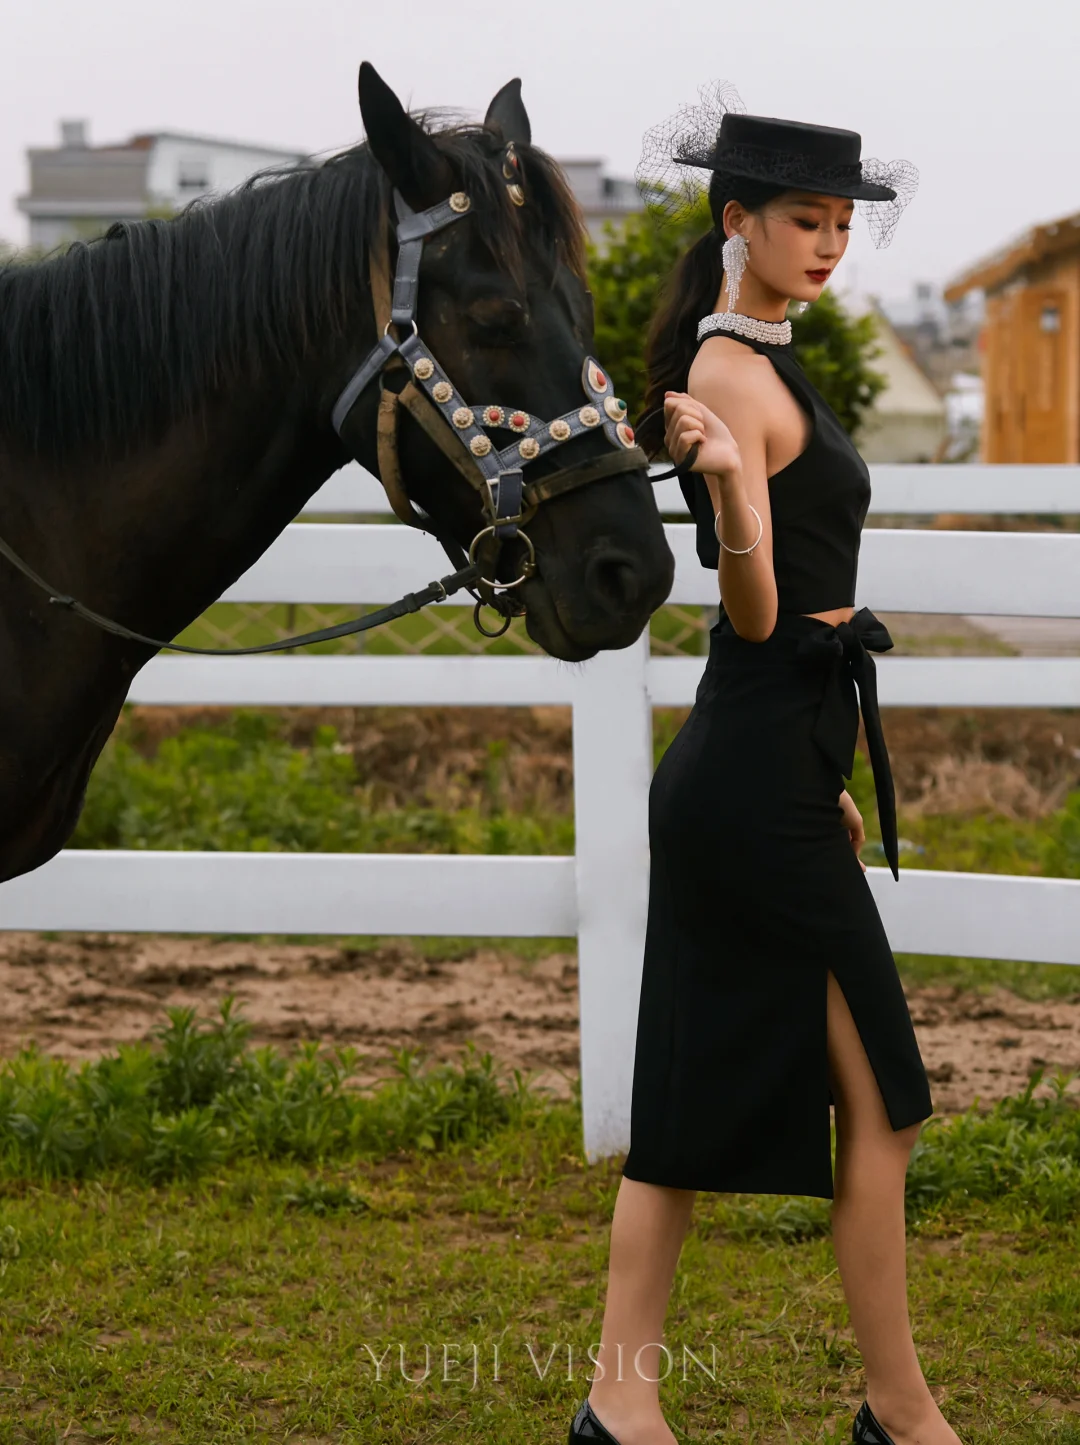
[500,342]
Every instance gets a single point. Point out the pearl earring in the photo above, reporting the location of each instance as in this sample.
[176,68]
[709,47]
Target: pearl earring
[734,255]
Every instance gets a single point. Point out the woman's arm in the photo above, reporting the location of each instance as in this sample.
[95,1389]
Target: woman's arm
[732,457]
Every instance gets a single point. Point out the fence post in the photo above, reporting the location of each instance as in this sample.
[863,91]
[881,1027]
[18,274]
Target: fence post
[612,773]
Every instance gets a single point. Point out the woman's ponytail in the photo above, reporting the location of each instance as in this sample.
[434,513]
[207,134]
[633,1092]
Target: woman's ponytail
[689,294]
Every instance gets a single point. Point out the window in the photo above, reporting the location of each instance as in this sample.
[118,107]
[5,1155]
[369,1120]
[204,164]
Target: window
[194,174]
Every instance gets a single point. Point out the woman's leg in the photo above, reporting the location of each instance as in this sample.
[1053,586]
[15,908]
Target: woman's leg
[869,1237]
[647,1232]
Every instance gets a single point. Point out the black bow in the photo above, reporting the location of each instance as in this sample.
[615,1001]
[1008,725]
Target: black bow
[845,648]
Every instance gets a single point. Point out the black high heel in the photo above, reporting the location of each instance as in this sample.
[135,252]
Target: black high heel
[867,1429]
[587,1427]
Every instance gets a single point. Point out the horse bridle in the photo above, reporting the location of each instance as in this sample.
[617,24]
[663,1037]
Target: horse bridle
[459,428]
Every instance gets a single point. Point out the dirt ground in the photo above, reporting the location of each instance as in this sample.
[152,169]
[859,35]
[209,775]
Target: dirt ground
[83,994]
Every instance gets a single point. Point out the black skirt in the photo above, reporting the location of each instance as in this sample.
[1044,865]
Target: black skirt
[755,893]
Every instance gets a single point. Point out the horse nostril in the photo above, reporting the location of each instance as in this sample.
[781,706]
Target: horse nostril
[613,581]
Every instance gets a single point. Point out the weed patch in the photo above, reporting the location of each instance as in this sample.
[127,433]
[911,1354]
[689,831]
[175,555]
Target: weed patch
[201,1098]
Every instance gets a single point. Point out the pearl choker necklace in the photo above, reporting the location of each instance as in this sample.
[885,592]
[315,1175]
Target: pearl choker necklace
[777,332]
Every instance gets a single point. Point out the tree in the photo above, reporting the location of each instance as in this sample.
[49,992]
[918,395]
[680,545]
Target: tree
[834,349]
[626,274]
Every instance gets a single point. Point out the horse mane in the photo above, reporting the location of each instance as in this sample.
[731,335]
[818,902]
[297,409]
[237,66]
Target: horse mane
[107,344]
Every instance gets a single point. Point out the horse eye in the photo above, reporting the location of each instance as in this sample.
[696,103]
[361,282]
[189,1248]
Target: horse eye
[497,317]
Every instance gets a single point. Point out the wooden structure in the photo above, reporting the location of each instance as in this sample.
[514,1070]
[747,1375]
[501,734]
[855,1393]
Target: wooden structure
[1031,361]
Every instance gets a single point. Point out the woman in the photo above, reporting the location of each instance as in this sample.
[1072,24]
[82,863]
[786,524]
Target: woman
[769,990]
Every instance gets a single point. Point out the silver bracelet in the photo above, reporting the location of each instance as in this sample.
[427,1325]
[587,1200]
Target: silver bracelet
[740,551]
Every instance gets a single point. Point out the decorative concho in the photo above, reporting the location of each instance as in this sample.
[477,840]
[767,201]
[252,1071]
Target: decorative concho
[516,194]
[463,417]
[559,430]
[510,162]
[480,446]
[459,202]
[615,407]
[494,416]
[442,391]
[529,447]
[625,433]
[518,421]
[589,416]
[597,379]
[423,368]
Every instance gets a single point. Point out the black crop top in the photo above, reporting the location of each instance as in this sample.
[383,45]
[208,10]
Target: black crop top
[818,502]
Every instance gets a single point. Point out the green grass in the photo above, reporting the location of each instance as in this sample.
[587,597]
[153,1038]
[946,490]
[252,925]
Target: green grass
[227,1313]
[981,975]
[250,627]
[964,644]
[975,843]
[242,787]
[250,1303]
[441,630]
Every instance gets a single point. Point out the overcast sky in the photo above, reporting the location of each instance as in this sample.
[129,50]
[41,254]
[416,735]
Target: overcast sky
[983,97]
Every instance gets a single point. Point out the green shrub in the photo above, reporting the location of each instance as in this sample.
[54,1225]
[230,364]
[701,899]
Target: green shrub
[1022,1145]
[985,842]
[244,788]
[1061,856]
[202,1098]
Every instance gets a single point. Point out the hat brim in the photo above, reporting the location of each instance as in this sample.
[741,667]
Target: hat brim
[860,191]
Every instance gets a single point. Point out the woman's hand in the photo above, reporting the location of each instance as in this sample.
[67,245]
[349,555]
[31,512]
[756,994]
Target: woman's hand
[687,423]
[854,824]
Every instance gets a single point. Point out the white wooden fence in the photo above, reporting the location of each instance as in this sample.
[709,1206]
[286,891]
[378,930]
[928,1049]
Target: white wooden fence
[600,894]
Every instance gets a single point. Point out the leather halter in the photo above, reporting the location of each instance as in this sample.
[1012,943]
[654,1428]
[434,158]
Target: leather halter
[459,428]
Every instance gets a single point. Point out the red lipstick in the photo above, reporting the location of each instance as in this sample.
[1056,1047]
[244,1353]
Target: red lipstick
[822,275]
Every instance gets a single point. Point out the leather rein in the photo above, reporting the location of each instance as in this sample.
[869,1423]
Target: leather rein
[458,429]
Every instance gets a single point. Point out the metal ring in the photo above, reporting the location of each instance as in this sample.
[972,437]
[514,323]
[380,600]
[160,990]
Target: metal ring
[529,565]
[391,322]
[507,619]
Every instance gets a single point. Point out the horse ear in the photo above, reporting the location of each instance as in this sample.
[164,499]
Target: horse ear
[407,154]
[507,115]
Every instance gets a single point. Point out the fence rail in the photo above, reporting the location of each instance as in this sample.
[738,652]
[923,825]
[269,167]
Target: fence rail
[975,914]
[915,490]
[601,893]
[1017,574]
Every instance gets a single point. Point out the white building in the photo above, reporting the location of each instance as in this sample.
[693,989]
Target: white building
[601,197]
[908,421]
[78,190]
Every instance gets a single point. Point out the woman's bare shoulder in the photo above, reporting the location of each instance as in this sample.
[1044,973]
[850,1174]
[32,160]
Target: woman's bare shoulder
[727,372]
[723,356]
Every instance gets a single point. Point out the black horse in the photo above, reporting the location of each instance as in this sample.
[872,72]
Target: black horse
[165,411]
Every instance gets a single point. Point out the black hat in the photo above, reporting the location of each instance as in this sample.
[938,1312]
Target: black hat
[817,158]
[718,135]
